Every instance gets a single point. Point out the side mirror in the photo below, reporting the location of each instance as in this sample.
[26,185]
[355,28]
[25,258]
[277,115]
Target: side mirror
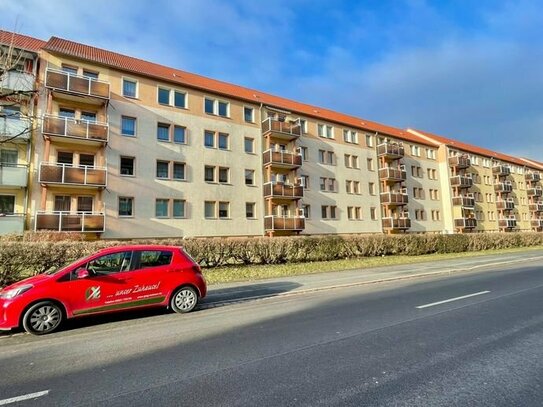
[82,273]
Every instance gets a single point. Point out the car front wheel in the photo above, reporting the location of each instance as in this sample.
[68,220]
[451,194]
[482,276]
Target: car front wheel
[42,318]
[184,300]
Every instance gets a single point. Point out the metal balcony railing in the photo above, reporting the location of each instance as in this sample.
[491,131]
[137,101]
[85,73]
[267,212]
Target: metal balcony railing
[393,174]
[274,222]
[460,161]
[507,205]
[282,190]
[465,223]
[537,191]
[282,129]
[67,174]
[21,128]
[76,84]
[501,170]
[537,223]
[462,181]
[281,158]
[72,128]
[464,200]
[62,221]
[536,207]
[390,150]
[503,187]
[396,223]
[509,223]
[394,198]
[532,176]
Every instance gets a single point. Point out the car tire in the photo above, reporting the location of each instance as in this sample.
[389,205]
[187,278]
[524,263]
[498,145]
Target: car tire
[42,318]
[184,300]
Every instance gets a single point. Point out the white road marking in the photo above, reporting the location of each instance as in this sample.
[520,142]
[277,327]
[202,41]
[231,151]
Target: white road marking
[24,397]
[452,299]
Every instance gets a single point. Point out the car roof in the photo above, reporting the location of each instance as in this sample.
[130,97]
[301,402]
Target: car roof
[139,247]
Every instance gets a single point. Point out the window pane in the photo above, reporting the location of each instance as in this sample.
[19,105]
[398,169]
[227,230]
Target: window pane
[162,169]
[223,141]
[209,209]
[88,116]
[179,171]
[84,203]
[8,157]
[163,96]
[65,158]
[248,113]
[208,104]
[163,132]
[249,145]
[127,166]
[129,88]
[70,113]
[223,209]
[111,263]
[7,204]
[249,177]
[161,208]
[86,159]
[223,175]
[180,99]
[89,74]
[209,139]
[250,210]
[178,208]
[179,134]
[125,206]
[209,174]
[69,69]
[154,258]
[324,212]
[223,109]
[128,126]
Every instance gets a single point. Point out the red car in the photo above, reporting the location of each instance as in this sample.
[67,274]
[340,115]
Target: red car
[113,279]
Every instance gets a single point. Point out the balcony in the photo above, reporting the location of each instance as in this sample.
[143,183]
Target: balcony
[459,161]
[76,84]
[394,198]
[537,191]
[532,176]
[70,221]
[392,175]
[283,159]
[12,224]
[461,181]
[282,130]
[289,223]
[64,127]
[466,201]
[537,223]
[501,170]
[505,205]
[70,175]
[391,151]
[509,223]
[396,223]
[536,207]
[465,223]
[283,191]
[13,175]
[503,187]
[17,81]
[15,127]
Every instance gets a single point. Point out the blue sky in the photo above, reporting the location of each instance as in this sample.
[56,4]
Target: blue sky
[470,70]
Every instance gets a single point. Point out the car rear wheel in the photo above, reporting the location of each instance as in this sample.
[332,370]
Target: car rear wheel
[184,300]
[42,318]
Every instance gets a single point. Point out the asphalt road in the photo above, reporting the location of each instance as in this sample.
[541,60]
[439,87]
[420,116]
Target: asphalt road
[388,344]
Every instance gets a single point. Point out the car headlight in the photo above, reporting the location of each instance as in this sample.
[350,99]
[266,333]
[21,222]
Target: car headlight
[14,292]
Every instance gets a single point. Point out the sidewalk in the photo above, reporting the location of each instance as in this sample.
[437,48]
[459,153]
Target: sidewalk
[221,294]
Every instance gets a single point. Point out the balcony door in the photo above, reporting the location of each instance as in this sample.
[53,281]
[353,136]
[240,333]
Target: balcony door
[63,203]
[84,204]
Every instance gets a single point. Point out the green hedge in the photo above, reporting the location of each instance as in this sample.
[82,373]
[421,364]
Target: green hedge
[35,255]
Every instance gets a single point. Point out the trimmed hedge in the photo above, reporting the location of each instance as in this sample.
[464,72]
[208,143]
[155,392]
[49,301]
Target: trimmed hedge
[34,255]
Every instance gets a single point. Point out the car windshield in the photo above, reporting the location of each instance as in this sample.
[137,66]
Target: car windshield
[56,270]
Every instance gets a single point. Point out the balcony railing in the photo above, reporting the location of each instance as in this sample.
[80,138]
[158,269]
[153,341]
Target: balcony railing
[465,223]
[501,170]
[536,207]
[15,127]
[532,176]
[281,190]
[70,221]
[293,223]
[12,223]
[393,174]
[76,84]
[67,174]
[394,198]
[13,175]
[509,223]
[396,223]
[505,205]
[281,129]
[465,201]
[285,159]
[503,187]
[537,223]
[391,150]
[72,128]
[537,191]
[461,181]
[459,161]
[17,81]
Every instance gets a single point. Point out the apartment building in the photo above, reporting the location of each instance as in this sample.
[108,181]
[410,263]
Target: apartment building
[126,148]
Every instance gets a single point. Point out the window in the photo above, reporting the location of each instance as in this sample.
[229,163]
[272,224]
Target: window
[373,214]
[180,134]
[249,114]
[88,116]
[223,141]
[209,105]
[371,187]
[333,210]
[352,187]
[324,212]
[436,215]
[322,184]
[9,157]
[249,145]
[130,88]
[127,166]
[305,181]
[322,157]
[68,113]
[180,99]
[155,258]
[350,136]
[224,175]
[209,139]
[224,210]
[209,173]
[216,107]
[415,151]
[420,214]
[162,169]
[7,204]
[250,210]
[126,205]
[434,195]
[431,154]
[65,157]
[416,171]
[304,153]
[223,109]
[84,203]
[111,263]
[327,157]
[62,203]
[179,171]
[86,160]
[325,131]
[128,126]
[212,139]
[328,184]
[351,161]
[354,213]
[179,208]
[369,140]
[163,96]
[331,184]
[418,193]
[370,164]
[249,177]
[89,74]
[161,208]
[303,125]
[72,70]
[209,209]
[163,132]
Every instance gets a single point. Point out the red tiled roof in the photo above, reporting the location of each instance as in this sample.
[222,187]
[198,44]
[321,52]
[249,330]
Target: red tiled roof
[469,148]
[145,68]
[21,41]
[533,163]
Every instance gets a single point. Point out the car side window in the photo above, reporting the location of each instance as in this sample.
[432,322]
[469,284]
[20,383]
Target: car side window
[155,258]
[110,263]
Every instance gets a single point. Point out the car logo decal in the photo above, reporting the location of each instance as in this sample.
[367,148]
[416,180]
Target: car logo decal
[92,293]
